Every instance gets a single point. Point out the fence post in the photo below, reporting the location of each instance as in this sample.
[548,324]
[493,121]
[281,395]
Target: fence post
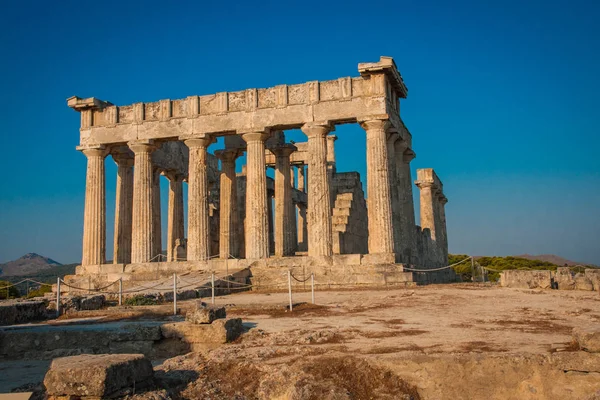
[212,284]
[120,291]
[312,286]
[290,288]
[57,297]
[174,294]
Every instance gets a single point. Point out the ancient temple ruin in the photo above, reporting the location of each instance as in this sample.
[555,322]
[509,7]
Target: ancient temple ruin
[320,218]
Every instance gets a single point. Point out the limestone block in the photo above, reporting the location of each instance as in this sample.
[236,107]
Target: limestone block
[378,258]
[95,302]
[203,314]
[17,312]
[220,331]
[564,279]
[593,274]
[526,279]
[101,375]
[583,283]
[588,339]
[346,259]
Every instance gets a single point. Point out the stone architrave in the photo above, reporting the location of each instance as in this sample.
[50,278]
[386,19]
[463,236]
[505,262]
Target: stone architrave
[284,207]
[94,217]
[228,215]
[175,228]
[156,217]
[257,224]
[379,201]
[319,206]
[142,227]
[123,206]
[198,242]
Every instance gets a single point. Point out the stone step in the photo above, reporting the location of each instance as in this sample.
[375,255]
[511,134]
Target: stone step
[341,211]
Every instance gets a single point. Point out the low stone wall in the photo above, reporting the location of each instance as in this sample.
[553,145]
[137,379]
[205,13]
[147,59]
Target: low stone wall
[562,279]
[18,312]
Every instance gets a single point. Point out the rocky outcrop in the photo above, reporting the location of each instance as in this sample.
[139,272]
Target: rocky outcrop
[204,314]
[97,376]
[588,339]
[220,331]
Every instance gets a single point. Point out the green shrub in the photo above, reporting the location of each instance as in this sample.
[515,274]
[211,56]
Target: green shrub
[39,292]
[12,291]
[140,300]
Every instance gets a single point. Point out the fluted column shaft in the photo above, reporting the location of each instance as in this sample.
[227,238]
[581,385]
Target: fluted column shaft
[123,209]
[302,228]
[257,224]
[94,217]
[379,201]
[319,207]
[285,236]
[198,244]
[406,155]
[394,183]
[156,217]
[143,197]
[228,215]
[427,208]
[175,228]
[442,204]
[301,179]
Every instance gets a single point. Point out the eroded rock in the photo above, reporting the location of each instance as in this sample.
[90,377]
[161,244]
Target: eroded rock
[220,331]
[588,339]
[204,314]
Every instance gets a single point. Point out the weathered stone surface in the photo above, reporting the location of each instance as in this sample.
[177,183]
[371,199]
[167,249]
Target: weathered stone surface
[220,331]
[203,314]
[582,282]
[95,302]
[564,279]
[526,279]
[593,274]
[103,375]
[588,339]
[18,312]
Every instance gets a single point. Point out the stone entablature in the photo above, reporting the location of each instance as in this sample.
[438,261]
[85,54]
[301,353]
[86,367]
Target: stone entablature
[375,94]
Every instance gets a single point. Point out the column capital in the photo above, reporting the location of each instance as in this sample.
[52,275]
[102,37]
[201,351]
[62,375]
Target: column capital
[283,150]
[228,155]
[317,129]
[375,124]
[259,135]
[91,150]
[173,175]
[425,185]
[409,155]
[122,156]
[443,199]
[142,146]
[202,140]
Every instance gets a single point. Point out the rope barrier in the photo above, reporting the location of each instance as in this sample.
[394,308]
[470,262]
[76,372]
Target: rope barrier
[436,269]
[299,280]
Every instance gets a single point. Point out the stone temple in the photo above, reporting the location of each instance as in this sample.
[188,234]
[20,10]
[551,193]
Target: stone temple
[310,216]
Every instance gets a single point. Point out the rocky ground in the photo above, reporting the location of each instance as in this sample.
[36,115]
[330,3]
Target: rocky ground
[432,342]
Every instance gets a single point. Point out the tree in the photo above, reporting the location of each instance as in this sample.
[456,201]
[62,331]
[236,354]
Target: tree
[11,291]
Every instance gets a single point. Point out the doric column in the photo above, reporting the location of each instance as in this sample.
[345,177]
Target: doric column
[156,217]
[405,155]
[394,183]
[123,206]
[256,226]
[442,205]
[228,216]
[302,228]
[271,223]
[142,226]
[175,228]
[331,168]
[319,207]
[301,179]
[284,207]
[198,244]
[427,203]
[292,177]
[94,217]
[379,201]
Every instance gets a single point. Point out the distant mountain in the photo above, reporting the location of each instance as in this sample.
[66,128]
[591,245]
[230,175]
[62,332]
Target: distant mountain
[554,259]
[29,264]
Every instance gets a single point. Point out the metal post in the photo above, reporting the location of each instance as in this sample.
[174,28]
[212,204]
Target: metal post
[57,297]
[174,294]
[120,291]
[212,284]
[290,288]
[312,286]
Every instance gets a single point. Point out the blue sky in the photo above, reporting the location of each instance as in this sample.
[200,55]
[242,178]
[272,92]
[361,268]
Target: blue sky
[503,102]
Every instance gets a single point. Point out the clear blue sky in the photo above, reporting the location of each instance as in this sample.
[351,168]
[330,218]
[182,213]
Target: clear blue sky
[503,102]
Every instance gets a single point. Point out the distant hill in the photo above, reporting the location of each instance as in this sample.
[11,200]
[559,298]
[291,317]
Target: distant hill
[29,264]
[551,258]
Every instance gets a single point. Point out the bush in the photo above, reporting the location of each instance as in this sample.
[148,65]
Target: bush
[12,291]
[39,292]
[140,300]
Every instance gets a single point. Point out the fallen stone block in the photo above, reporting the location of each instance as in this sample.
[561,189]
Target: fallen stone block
[203,314]
[101,376]
[220,331]
[583,283]
[526,279]
[564,279]
[588,339]
[95,302]
[18,312]
[593,274]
